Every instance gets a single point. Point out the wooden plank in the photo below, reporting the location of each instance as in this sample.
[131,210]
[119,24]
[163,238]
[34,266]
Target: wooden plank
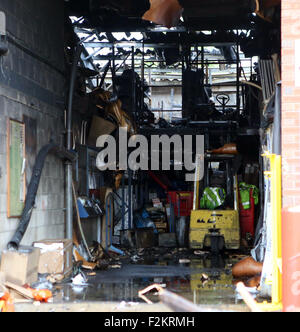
[16,157]
[19,289]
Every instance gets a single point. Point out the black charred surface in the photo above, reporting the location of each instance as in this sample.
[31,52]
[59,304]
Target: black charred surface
[125,15]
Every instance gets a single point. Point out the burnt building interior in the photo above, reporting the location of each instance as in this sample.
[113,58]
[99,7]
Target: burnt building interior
[219,62]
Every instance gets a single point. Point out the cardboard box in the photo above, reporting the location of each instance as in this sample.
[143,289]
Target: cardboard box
[2,282]
[56,257]
[21,267]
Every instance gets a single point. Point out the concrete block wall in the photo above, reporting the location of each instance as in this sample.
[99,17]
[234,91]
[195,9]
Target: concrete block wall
[290,102]
[32,83]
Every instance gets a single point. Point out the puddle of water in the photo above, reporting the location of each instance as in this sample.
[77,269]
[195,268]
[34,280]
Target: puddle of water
[186,280]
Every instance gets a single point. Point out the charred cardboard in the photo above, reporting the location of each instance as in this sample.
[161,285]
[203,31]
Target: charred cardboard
[55,257]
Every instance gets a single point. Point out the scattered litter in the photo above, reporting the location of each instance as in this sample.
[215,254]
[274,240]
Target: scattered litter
[204,277]
[6,303]
[135,258]
[92,274]
[116,250]
[80,280]
[42,285]
[41,295]
[124,304]
[27,293]
[86,265]
[55,278]
[199,252]
[116,266]
[79,283]
[184,261]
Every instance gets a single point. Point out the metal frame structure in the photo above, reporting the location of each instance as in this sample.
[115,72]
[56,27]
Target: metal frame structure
[138,59]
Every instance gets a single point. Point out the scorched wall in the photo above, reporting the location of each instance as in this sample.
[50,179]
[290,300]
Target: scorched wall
[32,85]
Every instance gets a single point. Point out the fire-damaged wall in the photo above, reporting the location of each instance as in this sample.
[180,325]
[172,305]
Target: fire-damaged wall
[32,85]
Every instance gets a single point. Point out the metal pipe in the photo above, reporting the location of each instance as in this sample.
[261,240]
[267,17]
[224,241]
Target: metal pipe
[143,83]
[247,297]
[134,110]
[262,78]
[113,70]
[175,302]
[69,166]
[268,83]
[130,223]
[109,219]
[238,92]
[272,74]
[123,202]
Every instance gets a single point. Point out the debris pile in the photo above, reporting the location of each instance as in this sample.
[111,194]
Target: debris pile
[11,294]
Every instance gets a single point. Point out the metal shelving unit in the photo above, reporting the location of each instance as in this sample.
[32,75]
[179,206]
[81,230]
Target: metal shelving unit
[196,57]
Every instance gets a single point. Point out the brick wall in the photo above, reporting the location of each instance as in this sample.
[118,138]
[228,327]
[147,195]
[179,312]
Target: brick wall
[290,103]
[32,84]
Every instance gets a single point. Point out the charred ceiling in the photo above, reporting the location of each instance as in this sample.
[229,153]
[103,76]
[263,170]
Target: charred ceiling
[127,15]
[110,15]
[257,20]
[216,14]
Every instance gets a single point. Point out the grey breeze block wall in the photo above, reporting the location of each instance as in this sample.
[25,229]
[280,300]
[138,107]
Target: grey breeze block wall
[32,84]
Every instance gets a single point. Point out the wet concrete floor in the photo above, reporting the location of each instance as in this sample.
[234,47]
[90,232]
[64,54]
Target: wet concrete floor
[203,279]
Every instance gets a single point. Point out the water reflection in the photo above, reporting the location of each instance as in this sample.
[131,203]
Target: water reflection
[205,280]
